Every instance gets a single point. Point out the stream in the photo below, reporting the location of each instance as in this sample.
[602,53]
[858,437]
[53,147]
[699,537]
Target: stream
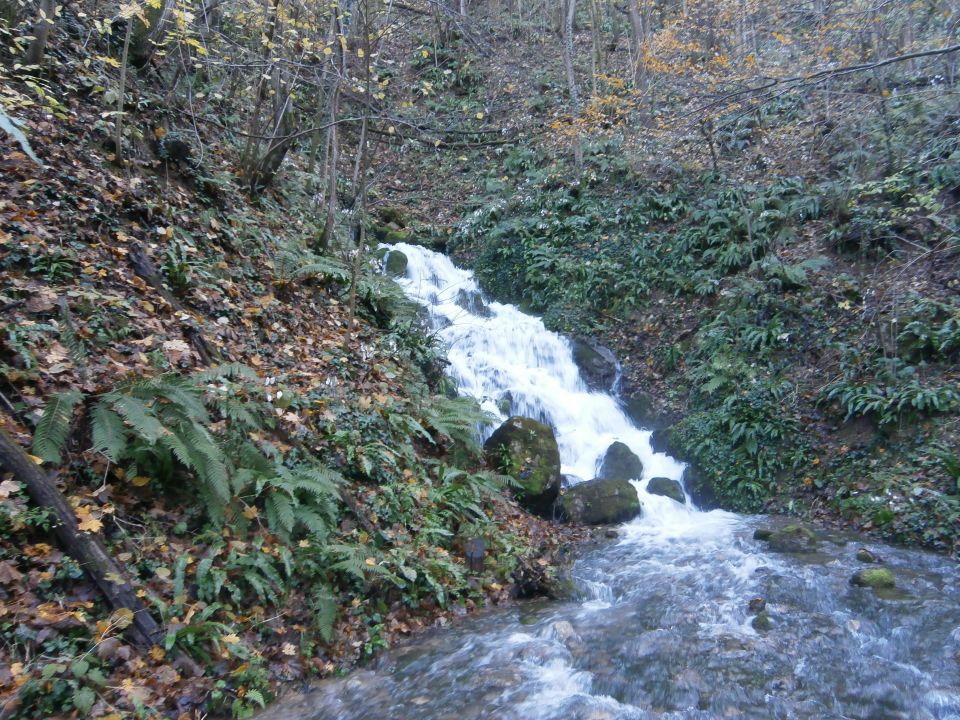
[662,627]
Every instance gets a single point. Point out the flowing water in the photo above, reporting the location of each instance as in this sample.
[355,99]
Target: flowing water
[663,628]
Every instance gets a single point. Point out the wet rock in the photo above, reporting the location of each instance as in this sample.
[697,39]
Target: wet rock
[620,463]
[564,632]
[667,488]
[598,365]
[568,481]
[698,485]
[527,451]
[762,534]
[865,556]
[473,303]
[762,623]
[395,263]
[876,578]
[611,533]
[793,539]
[757,605]
[599,502]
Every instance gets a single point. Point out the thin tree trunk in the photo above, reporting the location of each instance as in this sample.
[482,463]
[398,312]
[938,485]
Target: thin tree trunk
[118,125]
[571,12]
[41,32]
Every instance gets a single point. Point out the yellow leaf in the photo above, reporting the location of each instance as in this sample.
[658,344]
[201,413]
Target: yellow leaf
[328,50]
[370,561]
[360,52]
[139,480]
[122,618]
[250,512]
[479,116]
[289,649]
[157,653]
[231,639]
[90,524]
[38,461]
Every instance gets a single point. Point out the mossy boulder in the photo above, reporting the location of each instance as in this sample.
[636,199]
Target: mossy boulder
[395,263]
[599,502]
[527,451]
[667,488]
[876,578]
[620,463]
[793,539]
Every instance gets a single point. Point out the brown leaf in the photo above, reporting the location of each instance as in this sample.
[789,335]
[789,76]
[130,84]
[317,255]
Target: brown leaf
[9,575]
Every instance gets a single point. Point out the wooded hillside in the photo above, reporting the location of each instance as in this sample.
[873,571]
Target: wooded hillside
[754,203]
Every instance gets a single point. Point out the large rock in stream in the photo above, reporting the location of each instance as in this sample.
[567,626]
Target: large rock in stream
[667,488]
[620,463]
[527,451]
[599,502]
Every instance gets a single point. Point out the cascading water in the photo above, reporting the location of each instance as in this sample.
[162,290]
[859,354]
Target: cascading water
[663,629]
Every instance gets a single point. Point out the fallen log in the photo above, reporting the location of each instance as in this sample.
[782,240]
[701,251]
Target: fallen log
[86,548]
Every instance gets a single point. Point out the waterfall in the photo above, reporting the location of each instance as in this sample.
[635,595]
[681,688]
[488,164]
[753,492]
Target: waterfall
[513,365]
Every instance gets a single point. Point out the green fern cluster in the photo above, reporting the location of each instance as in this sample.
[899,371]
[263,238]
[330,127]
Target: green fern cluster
[163,428]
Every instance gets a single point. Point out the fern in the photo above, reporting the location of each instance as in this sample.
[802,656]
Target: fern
[54,427]
[459,419]
[320,265]
[69,337]
[226,370]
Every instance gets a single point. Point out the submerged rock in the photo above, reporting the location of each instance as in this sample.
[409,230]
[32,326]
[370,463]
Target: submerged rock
[472,301]
[757,605]
[761,623]
[865,556]
[667,488]
[527,451]
[599,502]
[762,534]
[875,578]
[620,463]
[793,539]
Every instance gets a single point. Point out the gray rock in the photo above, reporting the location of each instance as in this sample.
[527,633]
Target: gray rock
[667,488]
[598,365]
[793,539]
[599,502]
[620,463]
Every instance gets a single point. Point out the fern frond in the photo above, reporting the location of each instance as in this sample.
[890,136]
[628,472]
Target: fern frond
[109,432]
[280,513]
[321,265]
[54,427]
[226,370]
[325,611]
[69,337]
[138,415]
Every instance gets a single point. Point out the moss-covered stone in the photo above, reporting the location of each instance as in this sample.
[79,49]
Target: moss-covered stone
[527,451]
[876,578]
[793,539]
[620,463]
[865,556]
[599,502]
[395,263]
[667,488]
[762,623]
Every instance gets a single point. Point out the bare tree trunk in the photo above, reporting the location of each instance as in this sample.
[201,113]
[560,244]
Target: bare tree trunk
[571,12]
[41,32]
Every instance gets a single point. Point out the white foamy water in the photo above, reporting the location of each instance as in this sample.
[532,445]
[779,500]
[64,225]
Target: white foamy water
[506,358]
